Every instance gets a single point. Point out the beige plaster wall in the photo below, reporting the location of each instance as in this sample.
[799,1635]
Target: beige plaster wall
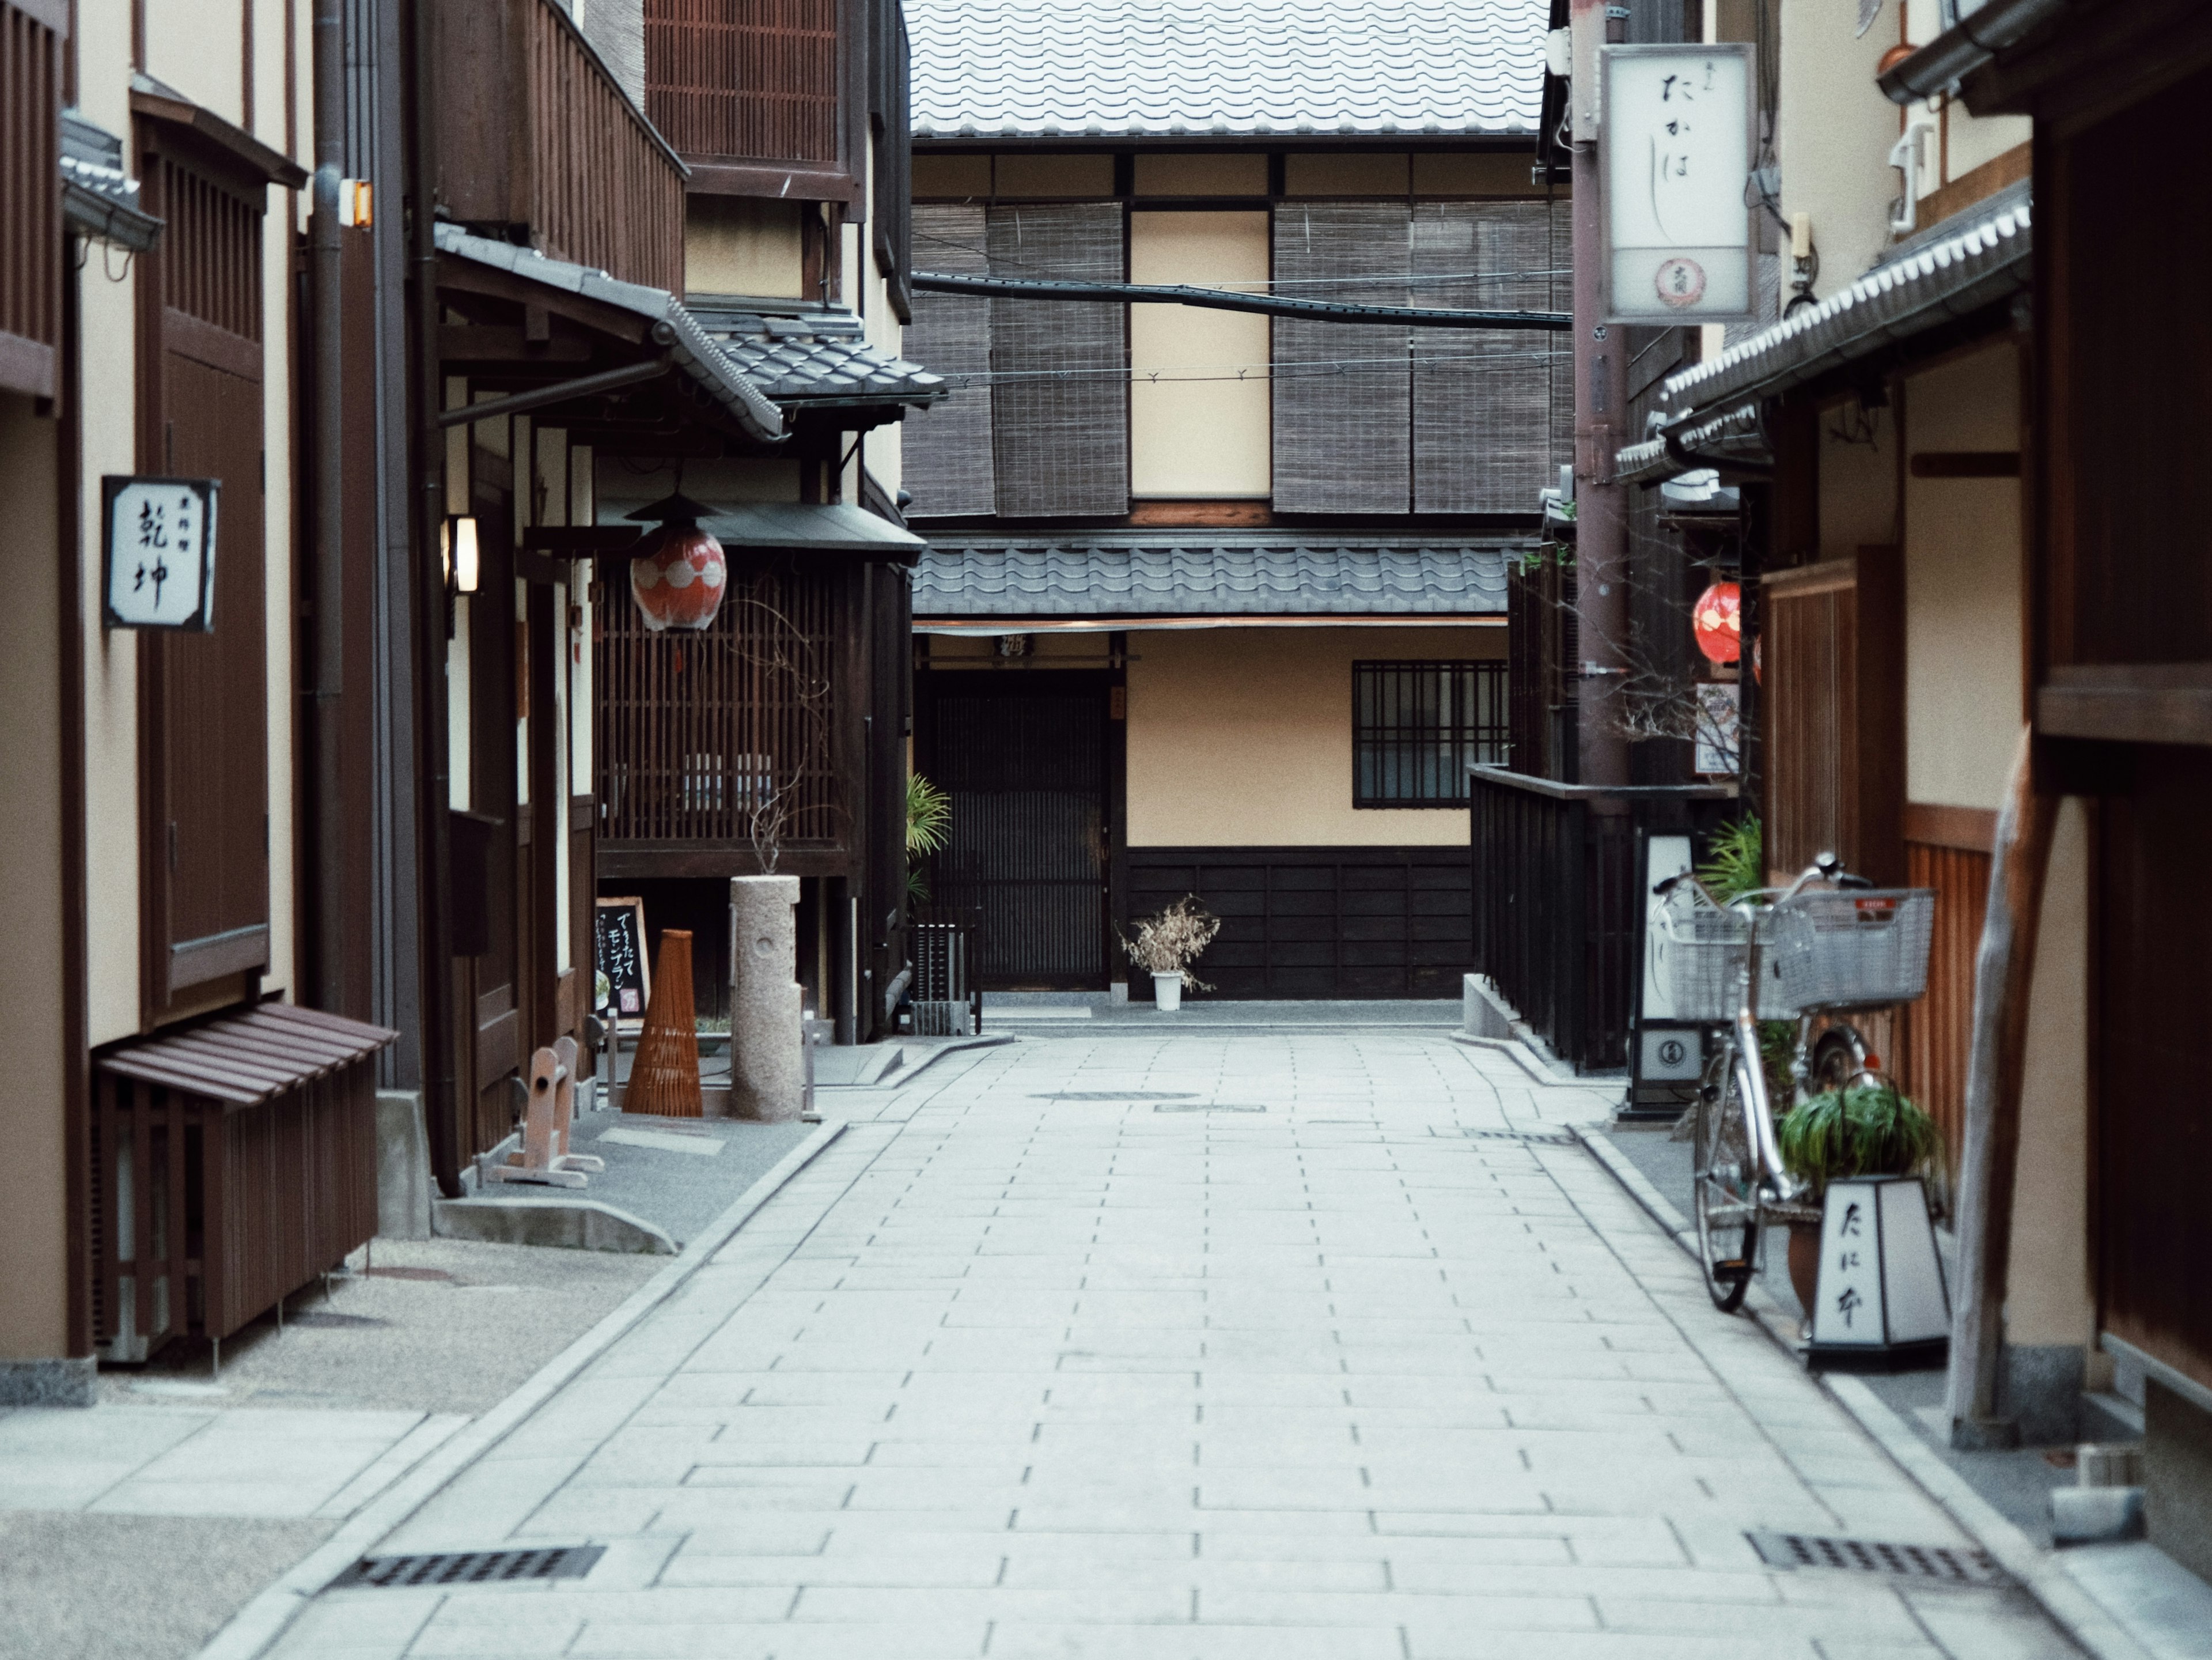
[1050,173]
[1833,131]
[1963,689]
[196,47]
[951,175]
[732,244]
[1859,477]
[1198,431]
[34,1223]
[1347,173]
[2050,1299]
[1222,173]
[1242,737]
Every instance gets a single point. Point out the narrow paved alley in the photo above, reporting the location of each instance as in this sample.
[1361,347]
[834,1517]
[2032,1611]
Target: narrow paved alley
[1271,1344]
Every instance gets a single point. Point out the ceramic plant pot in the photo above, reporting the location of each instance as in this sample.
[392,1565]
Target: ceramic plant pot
[1805,1262]
[1167,993]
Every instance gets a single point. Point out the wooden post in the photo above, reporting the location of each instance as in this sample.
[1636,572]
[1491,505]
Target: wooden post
[664,1076]
[2004,976]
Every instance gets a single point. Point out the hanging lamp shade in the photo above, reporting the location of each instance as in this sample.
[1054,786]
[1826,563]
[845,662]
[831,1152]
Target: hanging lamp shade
[677,573]
[1718,621]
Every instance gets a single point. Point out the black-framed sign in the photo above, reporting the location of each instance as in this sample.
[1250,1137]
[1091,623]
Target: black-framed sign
[158,541]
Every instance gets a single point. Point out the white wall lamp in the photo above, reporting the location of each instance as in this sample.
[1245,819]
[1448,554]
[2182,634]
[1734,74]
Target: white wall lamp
[459,562]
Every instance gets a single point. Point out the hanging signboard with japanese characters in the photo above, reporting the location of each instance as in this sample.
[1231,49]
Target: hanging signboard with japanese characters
[1674,156]
[159,534]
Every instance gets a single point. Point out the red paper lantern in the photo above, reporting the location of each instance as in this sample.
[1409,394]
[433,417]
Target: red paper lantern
[677,574]
[1717,619]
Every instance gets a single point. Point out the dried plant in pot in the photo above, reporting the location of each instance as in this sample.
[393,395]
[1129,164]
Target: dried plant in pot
[1869,1130]
[1167,943]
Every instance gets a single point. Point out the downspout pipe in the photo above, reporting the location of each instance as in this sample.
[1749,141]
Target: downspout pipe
[440,1086]
[327,596]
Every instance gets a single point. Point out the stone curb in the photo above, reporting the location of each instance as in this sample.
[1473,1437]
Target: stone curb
[2039,1572]
[1528,1060]
[255,1628]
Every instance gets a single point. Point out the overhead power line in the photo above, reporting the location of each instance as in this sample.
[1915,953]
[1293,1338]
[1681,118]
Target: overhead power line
[1325,310]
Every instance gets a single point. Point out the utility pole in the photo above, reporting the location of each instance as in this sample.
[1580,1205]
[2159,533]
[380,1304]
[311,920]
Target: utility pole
[1601,403]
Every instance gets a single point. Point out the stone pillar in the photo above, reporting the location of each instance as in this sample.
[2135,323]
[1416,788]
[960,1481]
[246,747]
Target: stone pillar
[767,1063]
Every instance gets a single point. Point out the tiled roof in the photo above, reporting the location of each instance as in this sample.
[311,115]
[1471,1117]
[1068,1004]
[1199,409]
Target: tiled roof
[816,357]
[1231,576]
[1162,68]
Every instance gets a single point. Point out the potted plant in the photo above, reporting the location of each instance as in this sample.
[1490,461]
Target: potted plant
[1168,944]
[1869,1130]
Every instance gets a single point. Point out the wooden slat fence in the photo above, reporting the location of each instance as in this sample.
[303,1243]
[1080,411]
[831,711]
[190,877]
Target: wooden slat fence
[745,80]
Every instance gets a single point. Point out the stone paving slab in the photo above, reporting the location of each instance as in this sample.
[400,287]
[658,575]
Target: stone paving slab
[1008,1373]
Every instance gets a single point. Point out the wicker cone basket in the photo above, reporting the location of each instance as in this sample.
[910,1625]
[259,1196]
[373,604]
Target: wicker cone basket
[664,1078]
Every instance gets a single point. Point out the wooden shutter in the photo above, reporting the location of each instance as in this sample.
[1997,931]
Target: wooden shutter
[1482,400]
[204,714]
[891,126]
[1834,740]
[1342,436]
[745,80]
[945,450]
[1060,424]
[30,196]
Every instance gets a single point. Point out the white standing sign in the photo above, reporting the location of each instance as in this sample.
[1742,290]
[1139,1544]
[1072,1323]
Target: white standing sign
[160,541]
[1675,157]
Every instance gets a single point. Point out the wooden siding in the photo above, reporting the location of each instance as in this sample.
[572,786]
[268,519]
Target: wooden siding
[1321,921]
[30,200]
[1938,1030]
[745,79]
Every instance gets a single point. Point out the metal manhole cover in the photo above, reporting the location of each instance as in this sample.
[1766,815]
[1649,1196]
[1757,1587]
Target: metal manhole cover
[1204,1106]
[1114,1095]
[470,1567]
[1539,1138]
[1944,1564]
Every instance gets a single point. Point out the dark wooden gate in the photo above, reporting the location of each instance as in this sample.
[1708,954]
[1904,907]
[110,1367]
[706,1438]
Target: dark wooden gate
[1023,758]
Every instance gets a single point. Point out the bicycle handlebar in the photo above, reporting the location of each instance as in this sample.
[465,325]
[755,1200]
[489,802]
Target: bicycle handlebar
[1825,868]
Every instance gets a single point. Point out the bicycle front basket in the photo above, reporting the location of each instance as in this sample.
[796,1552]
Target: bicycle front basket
[1698,950]
[1854,948]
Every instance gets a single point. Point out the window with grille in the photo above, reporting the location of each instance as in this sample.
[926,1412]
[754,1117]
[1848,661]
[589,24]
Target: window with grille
[1416,728]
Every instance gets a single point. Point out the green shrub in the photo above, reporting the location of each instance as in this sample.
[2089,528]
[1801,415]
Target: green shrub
[1868,1130]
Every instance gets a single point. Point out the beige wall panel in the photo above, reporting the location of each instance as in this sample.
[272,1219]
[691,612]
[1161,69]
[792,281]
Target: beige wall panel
[2050,1299]
[1226,175]
[1968,143]
[33,1224]
[1349,173]
[1476,173]
[957,176]
[1242,737]
[1197,432]
[1054,175]
[1963,706]
[1859,478]
[197,47]
[732,244]
[111,668]
[103,48]
[1833,133]
[277,536]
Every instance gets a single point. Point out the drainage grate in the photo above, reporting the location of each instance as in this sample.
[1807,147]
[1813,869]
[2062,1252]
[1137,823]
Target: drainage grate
[470,1567]
[1539,1138]
[1114,1095]
[1942,1563]
[1204,1106]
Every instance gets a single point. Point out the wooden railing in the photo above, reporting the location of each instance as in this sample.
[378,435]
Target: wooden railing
[1558,899]
[535,135]
[30,197]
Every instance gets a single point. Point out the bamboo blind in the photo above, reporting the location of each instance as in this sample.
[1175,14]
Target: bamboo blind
[1482,425]
[946,451]
[1342,440]
[1061,438]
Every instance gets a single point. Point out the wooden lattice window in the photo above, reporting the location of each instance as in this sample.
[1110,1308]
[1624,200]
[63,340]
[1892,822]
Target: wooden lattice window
[745,79]
[1416,728]
[30,197]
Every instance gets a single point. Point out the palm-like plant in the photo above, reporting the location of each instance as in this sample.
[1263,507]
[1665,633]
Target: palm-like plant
[929,822]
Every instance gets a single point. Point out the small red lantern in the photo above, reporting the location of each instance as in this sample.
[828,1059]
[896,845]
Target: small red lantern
[677,574]
[1717,619]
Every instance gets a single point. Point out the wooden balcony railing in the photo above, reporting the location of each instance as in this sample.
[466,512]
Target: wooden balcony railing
[30,194]
[535,134]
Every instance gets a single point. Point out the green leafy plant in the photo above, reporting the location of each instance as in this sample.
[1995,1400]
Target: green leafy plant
[929,822]
[1867,1130]
[1171,941]
[1735,860]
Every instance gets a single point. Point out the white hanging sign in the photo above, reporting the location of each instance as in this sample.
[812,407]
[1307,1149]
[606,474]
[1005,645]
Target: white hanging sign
[159,535]
[1674,155]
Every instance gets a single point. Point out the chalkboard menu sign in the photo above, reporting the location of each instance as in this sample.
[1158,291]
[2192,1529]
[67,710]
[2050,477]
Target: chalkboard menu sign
[624,978]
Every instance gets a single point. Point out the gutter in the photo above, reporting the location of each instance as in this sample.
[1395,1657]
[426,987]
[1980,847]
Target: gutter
[1972,42]
[327,590]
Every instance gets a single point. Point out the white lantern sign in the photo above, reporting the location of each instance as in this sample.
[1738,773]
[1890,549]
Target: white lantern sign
[1674,156]
[159,536]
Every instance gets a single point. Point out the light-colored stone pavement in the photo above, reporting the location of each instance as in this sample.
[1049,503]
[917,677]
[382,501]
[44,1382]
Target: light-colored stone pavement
[1326,1356]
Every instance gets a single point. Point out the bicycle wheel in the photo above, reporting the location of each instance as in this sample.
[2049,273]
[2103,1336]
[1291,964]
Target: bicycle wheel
[1839,1060]
[1724,1189]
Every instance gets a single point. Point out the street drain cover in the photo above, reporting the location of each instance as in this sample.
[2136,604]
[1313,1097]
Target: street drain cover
[470,1567]
[1942,1563]
[1540,1138]
[1204,1106]
[1114,1095]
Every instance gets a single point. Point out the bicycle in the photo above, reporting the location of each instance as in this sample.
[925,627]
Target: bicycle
[1809,955]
